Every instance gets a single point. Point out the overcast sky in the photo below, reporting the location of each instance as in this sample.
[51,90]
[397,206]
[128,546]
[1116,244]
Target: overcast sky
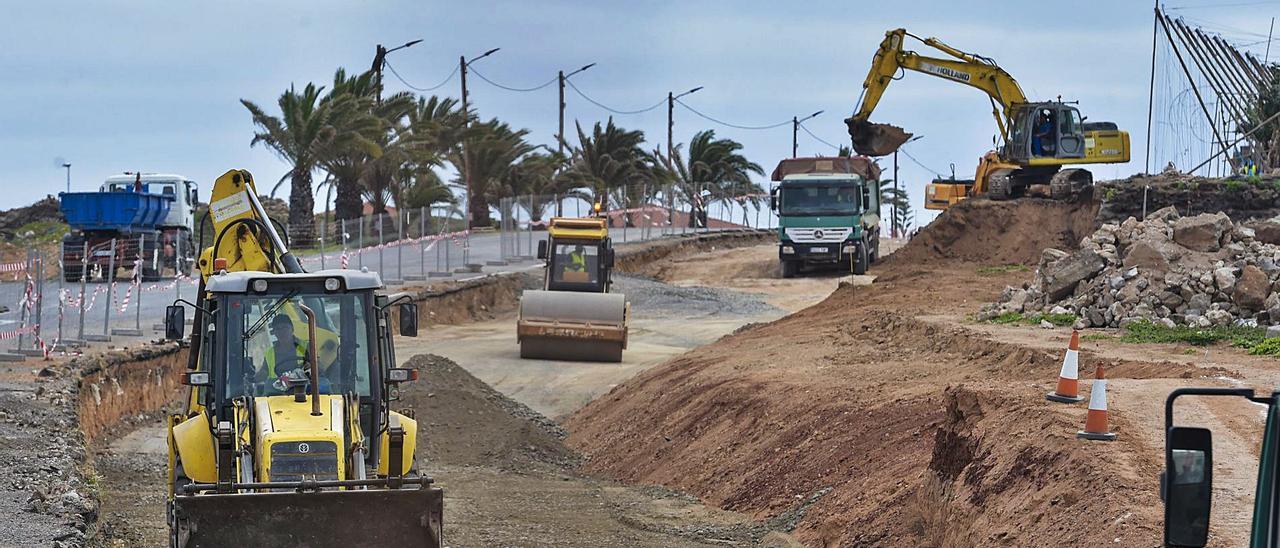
[117,86]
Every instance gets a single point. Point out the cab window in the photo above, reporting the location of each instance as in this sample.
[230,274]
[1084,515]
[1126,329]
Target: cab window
[575,263]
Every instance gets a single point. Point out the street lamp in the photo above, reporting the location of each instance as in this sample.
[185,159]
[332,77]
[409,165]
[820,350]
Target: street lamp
[380,61]
[671,108]
[795,128]
[67,165]
[893,223]
[563,77]
[466,162]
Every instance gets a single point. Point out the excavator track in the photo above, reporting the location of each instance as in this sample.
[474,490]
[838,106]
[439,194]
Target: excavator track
[1000,184]
[1071,184]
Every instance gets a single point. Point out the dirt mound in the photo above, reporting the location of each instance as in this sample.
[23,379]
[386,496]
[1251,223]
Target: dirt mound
[47,209]
[1006,232]
[464,421]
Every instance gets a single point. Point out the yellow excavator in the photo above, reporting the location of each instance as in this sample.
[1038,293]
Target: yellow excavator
[1039,138]
[288,437]
[574,316]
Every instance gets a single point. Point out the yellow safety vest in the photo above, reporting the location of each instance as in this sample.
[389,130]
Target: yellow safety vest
[578,262]
[300,363]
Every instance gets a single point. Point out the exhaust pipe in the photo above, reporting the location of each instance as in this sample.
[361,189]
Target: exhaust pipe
[311,357]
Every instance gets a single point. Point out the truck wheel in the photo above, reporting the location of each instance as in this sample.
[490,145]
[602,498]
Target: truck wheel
[72,273]
[789,269]
[860,260]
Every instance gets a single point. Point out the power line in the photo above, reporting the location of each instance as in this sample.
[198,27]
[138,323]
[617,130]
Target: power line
[1235,5]
[613,110]
[415,88]
[509,88]
[819,139]
[736,126]
[917,162]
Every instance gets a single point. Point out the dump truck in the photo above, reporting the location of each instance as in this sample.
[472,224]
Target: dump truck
[1043,141]
[574,316]
[828,213]
[134,220]
[288,437]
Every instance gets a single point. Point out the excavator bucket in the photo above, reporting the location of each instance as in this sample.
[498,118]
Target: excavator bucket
[876,139]
[376,517]
[566,325]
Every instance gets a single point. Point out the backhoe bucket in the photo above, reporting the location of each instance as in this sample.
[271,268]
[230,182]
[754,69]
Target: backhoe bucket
[376,517]
[876,139]
[566,325]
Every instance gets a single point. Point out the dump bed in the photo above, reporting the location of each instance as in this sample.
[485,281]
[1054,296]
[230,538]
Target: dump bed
[123,212]
[857,165]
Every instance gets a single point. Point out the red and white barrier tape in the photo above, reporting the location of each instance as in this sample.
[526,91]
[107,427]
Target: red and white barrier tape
[10,335]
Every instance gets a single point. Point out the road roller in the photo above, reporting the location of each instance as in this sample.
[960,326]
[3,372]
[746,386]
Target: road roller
[574,316]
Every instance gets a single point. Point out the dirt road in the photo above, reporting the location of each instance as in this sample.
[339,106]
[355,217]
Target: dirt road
[504,483]
[918,426]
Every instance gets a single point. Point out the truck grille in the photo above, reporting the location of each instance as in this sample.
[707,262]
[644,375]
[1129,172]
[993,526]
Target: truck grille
[298,460]
[818,235]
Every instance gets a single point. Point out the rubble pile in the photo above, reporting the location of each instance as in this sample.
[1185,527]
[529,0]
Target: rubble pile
[1199,271]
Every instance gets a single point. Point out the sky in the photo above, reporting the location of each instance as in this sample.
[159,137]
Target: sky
[115,86]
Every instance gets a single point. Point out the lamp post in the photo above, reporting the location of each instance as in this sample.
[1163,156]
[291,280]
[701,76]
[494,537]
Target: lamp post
[380,61]
[563,77]
[67,165]
[671,109]
[463,63]
[795,129]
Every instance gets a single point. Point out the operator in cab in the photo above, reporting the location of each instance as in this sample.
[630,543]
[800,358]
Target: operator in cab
[287,352]
[577,260]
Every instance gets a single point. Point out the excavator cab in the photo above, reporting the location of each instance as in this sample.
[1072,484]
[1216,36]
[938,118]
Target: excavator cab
[1043,131]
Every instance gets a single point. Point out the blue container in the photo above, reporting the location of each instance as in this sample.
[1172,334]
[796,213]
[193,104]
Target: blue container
[114,211]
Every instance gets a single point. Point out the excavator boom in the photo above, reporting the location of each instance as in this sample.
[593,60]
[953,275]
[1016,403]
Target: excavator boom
[976,71]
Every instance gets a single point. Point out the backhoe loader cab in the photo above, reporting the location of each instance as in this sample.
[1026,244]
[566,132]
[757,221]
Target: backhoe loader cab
[289,434]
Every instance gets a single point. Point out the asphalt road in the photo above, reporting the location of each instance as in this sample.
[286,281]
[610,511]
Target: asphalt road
[408,263]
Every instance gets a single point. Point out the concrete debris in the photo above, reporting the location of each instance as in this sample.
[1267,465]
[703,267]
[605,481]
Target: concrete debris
[1200,270]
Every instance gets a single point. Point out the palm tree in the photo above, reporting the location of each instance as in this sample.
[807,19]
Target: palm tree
[904,218]
[492,148]
[714,172]
[298,136]
[538,176]
[610,158]
[897,199]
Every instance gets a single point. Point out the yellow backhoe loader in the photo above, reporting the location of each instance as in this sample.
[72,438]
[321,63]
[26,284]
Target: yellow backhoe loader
[1039,138]
[288,438]
[574,316]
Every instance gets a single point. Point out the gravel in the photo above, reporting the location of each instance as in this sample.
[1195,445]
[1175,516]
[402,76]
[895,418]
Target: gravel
[649,297]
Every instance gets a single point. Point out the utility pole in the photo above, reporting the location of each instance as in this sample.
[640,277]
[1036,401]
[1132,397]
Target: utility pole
[795,130]
[68,166]
[893,223]
[466,159]
[671,145]
[563,78]
[380,62]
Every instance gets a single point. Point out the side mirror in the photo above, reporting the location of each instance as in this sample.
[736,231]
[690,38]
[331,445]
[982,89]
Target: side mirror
[401,374]
[542,249]
[773,199]
[608,257]
[1187,486]
[409,319]
[175,318]
[195,378]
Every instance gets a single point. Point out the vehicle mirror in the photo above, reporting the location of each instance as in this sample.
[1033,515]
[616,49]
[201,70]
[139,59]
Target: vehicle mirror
[773,199]
[1187,486]
[608,257]
[195,378]
[542,249]
[174,320]
[409,319]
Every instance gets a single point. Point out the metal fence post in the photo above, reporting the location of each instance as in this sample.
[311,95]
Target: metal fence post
[381,268]
[422,242]
[110,281]
[400,244]
[322,249]
[360,246]
[343,228]
[84,277]
[22,314]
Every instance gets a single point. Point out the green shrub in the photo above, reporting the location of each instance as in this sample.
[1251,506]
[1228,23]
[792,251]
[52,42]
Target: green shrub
[1234,185]
[1266,347]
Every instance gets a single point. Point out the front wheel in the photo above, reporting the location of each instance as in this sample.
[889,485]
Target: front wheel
[789,269]
[860,260]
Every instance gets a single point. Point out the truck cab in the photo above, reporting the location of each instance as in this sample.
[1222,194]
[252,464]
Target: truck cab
[828,213]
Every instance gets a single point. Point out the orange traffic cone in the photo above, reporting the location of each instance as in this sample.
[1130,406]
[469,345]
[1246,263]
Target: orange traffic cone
[1068,390]
[1095,424]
